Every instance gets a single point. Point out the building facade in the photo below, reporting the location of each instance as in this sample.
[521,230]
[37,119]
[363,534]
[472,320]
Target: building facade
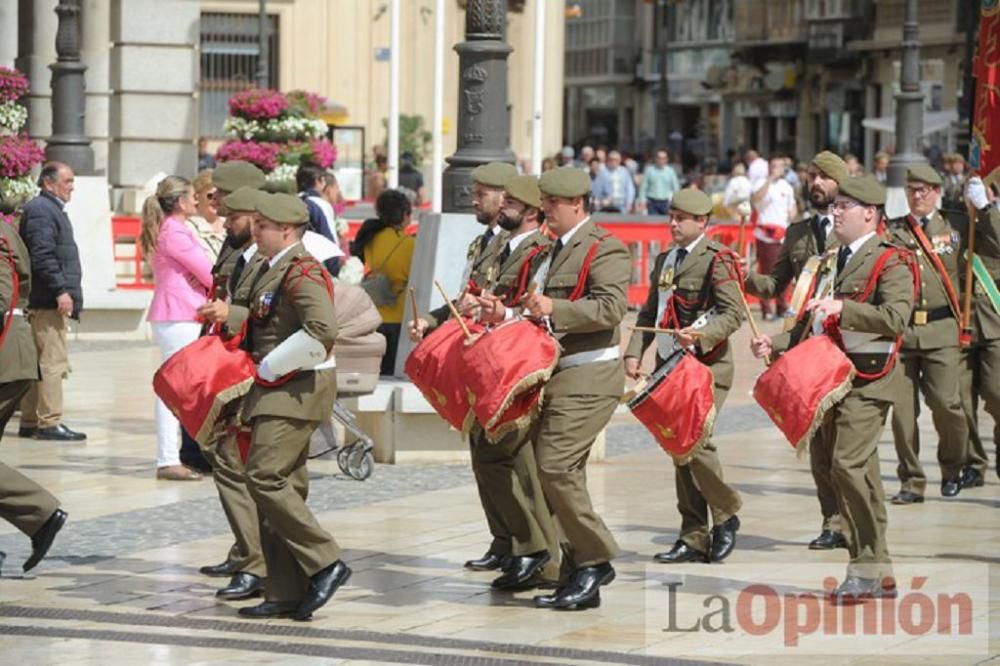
[160,71]
[789,76]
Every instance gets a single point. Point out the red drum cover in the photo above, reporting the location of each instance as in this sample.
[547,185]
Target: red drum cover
[435,367]
[200,379]
[504,362]
[802,384]
[677,406]
[523,409]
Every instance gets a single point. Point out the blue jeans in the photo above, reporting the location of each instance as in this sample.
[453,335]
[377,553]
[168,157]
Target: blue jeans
[657,206]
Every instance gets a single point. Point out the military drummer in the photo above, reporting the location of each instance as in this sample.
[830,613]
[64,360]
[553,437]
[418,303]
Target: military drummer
[697,283]
[291,327]
[870,307]
[584,295]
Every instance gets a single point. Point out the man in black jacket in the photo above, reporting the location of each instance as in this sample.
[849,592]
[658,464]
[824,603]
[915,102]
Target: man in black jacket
[56,294]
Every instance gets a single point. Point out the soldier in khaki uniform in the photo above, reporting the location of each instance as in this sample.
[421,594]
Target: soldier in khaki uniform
[981,359]
[699,278]
[585,388]
[480,276]
[245,562]
[23,503]
[803,240]
[507,470]
[929,358]
[868,327]
[291,326]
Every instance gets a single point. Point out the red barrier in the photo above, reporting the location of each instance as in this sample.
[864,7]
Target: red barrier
[125,231]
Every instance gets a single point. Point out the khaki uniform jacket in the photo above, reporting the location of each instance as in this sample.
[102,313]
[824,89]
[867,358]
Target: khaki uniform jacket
[484,270]
[310,394]
[799,245]
[590,323]
[18,355]
[509,272]
[223,269]
[931,293]
[707,282]
[985,320]
[886,311]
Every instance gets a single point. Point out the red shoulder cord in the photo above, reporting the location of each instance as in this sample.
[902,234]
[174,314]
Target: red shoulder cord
[524,274]
[581,283]
[309,265]
[7,256]
[831,325]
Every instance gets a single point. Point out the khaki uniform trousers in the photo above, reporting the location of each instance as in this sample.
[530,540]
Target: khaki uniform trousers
[700,488]
[935,373]
[980,378]
[42,407]
[507,477]
[294,545]
[820,464]
[563,436]
[238,505]
[850,434]
[23,503]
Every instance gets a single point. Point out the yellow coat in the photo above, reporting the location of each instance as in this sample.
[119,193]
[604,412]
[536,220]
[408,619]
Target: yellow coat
[395,266]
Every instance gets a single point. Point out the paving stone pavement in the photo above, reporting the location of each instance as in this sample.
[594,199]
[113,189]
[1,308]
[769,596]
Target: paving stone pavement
[121,582]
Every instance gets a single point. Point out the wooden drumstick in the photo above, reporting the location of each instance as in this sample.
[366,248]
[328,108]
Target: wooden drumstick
[668,331]
[454,310]
[413,305]
[753,324]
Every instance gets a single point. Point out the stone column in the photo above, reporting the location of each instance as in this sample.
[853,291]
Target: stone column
[909,103]
[95,54]
[8,32]
[483,115]
[154,112]
[36,49]
[68,142]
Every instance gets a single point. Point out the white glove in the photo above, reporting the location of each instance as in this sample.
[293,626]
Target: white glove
[975,193]
[298,351]
[744,209]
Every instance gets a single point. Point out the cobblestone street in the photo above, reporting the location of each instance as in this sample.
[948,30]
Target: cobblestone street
[121,585]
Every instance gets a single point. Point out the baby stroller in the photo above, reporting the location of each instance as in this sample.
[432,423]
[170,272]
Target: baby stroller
[359,350]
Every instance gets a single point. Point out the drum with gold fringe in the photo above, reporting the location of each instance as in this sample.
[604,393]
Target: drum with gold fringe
[803,384]
[505,368]
[677,406]
[436,368]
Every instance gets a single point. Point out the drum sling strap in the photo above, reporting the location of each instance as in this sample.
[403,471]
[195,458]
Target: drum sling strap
[831,326]
[524,275]
[7,257]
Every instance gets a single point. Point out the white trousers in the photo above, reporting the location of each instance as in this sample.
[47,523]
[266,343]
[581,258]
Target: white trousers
[171,336]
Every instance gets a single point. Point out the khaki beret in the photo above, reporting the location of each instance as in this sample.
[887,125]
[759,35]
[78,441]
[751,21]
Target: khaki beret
[831,164]
[524,189]
[231,176]
[565,181]
[923,173]
[863,189]
[494,174]
[282,208]
[243,200]
[692,202]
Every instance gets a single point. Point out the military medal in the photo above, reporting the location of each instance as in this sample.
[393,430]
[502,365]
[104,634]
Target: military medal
[263,307]
[667,278]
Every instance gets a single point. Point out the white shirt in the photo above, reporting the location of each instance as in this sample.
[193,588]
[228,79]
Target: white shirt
[273,260]
[249,252]
[517,240]
[690,246]
[856,245]
[737,191]
[775,208]
[569,234]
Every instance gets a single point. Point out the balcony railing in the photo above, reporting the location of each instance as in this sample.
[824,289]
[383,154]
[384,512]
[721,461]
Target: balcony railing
[774,21]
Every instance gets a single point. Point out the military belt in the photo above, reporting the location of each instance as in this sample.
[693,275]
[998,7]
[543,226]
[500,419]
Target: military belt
[924,317]
[869,362]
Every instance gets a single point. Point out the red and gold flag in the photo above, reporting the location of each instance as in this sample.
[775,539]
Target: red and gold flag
[984,152]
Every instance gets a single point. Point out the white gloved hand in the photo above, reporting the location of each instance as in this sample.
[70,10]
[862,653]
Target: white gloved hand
[975,193]
[744,209]
[264,371]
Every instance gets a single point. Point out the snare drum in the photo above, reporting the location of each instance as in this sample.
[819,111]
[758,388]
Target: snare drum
[802,385]
[435,367]
[677,406]
[504,362]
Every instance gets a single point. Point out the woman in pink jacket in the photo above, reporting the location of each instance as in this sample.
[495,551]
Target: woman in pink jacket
[183,276]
